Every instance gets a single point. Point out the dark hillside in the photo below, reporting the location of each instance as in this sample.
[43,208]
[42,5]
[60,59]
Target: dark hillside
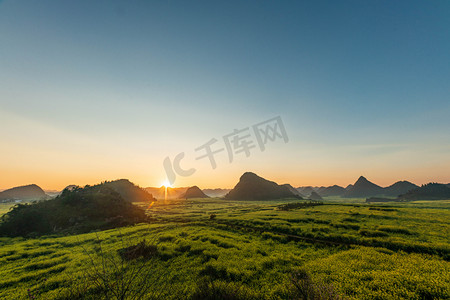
[363,188]
[398,188]
[129,191]
[194,192]
[430,191]
[74,211]
[253,187]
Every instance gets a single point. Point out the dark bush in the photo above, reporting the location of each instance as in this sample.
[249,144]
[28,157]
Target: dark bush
[352,220]
[382,209]
[207,256]
[141,249]
[214,272]
[304,288]
[298,205]
[183,234]
[220,290]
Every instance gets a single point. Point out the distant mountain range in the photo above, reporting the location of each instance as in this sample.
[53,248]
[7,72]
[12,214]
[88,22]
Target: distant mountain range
[333,190]
[398,188]
[365,188]
[362,188]
[250,187]
[128,190]
[306,190]
[24,193]
[216,192]
[52,193]
[253,187]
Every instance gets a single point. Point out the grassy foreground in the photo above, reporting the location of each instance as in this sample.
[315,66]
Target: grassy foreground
[216,249]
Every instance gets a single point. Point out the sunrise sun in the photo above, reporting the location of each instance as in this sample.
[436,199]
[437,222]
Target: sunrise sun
[166,184]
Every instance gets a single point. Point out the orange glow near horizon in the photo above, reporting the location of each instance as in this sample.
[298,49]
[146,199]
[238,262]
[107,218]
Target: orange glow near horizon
[322,175]
[229,181]
[81,159]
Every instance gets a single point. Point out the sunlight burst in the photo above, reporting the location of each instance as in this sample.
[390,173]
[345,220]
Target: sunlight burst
[166,184]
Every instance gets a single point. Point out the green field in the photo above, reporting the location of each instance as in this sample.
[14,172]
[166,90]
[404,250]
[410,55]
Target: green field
[4,208]
[217,249]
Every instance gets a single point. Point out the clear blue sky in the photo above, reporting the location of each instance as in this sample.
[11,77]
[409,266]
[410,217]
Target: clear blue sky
[94,90]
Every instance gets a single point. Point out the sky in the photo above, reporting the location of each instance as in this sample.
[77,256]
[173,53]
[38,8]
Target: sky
[102,90]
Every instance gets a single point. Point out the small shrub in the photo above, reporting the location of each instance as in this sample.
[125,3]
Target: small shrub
[214,272]
[207,256]
[139,250]
[382,209]
[220,290]
[112,276]
[262,252]
[304,288]
[299,205]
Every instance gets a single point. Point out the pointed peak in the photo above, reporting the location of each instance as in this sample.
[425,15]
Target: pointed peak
[362,178]
[362,181]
